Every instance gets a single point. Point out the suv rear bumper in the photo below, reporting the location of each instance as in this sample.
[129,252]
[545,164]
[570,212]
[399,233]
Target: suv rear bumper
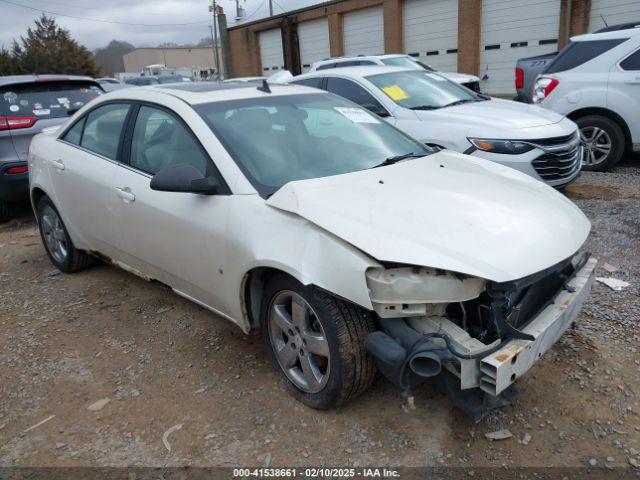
[13,187]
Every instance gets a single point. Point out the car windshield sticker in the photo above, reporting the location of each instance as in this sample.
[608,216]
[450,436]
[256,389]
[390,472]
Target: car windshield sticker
[14,108]
[24,102]
[37,106]
[10,97]
[395,92]
[41,111]
[357,115]
[65,102]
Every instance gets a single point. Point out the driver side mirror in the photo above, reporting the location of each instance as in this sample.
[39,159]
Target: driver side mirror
[184,178]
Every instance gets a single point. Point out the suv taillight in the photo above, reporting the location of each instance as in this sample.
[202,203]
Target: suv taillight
[544,86]
[519,78]
[14,123]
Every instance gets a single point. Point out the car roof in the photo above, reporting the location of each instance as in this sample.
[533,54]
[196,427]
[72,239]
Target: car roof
[206,92]
[355,72]
[360,57]
[18,79]
[622,31]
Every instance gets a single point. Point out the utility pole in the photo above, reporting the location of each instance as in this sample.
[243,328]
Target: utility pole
[214,32]
[271,8]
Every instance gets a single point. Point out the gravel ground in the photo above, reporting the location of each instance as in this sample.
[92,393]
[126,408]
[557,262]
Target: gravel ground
[98,366]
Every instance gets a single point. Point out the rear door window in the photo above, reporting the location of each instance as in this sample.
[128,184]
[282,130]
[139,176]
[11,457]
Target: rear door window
[103,128]
[632,62]
[578,53]
[46,99]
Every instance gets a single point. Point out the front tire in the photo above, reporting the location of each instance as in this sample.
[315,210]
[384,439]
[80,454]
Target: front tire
[603,142]
[57,242]
[315,342]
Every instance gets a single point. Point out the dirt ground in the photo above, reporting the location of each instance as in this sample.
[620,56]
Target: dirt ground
[69,341]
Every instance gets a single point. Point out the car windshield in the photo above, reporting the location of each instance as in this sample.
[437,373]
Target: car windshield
[278,139]
[420,90]
[406,62]
[46,99]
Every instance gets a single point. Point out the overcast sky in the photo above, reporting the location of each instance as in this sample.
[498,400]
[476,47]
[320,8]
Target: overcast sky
[15,18]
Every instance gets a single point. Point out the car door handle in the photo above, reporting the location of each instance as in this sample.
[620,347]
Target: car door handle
[58,164]
[125,194]
[633,81]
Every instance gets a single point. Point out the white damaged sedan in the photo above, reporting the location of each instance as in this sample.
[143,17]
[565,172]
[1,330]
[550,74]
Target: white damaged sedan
[351,246]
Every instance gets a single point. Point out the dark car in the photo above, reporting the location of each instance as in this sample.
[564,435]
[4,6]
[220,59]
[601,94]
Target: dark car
[527,70]
[28,104]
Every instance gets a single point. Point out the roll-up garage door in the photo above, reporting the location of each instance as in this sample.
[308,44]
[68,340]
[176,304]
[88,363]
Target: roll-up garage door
[513,29]
[271,54]
[614,13]
[313,40]
[364,32]
[431,32]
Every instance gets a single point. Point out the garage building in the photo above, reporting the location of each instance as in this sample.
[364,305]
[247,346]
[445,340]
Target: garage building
[480,37]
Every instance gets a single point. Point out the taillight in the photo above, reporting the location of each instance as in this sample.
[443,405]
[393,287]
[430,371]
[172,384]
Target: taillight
[519,78]
[14,123]
[16,170]
[544,86]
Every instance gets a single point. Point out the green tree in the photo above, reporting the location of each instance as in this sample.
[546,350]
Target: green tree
[8,64]
[47,48]
[109,58]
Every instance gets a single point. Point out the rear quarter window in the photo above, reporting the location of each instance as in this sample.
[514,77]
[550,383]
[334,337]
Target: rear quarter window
[49,99]
[579,53]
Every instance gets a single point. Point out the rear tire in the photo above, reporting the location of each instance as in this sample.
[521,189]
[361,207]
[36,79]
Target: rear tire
[57,242]
[347,371]
[5,216]
[603,142]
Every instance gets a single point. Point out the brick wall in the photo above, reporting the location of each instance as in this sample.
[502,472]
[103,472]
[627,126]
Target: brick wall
[245,49]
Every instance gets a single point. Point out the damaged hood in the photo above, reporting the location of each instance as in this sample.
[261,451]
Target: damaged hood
[447,211]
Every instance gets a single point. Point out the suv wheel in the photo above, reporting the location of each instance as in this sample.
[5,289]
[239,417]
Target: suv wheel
[603,142]
[57,242]
[4,211]
[316,343]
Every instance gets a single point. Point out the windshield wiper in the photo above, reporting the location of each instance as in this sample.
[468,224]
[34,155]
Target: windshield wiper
[397,158]
[424,107]
[458,102]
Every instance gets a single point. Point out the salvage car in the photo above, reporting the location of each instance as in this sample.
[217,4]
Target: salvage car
[346,242]
[440,113]
[28,104]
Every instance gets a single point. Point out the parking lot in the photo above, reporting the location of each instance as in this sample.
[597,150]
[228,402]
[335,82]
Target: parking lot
[69,341]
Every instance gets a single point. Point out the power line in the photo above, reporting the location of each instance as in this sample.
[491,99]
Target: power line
[254,12]
[105,21]
[83,7]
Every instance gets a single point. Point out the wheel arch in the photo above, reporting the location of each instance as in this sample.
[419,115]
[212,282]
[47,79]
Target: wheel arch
[575,115]
[36,195]
[252,291]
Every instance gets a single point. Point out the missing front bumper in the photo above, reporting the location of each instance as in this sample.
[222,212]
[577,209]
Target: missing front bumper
[500,369]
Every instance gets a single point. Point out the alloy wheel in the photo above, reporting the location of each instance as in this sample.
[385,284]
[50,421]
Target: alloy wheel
[299,342]
[54,234]
[597,145]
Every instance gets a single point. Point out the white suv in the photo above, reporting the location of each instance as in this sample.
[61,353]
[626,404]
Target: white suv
[395,60]
[595,81]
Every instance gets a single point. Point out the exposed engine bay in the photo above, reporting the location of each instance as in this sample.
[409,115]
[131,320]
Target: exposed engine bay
[484,333]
